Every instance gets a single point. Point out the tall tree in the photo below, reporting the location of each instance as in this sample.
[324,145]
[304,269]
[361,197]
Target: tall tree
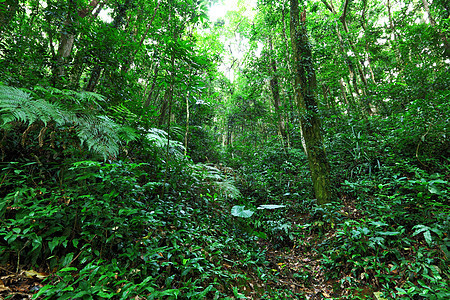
[68,34]
[305,95]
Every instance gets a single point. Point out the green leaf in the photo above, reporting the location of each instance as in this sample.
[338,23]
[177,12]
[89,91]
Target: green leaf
[427,235]
[239,211]
[68,269]
[54,242]
[390,233]
[378,224]
[42,291]
[67,259]
[379,296]
[270,206]
[434,190]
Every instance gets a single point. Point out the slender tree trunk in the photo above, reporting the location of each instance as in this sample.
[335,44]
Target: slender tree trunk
[305,86]
[165,104]
[68,35]
[343,20]
[186,133]
[168,96]
[275,88]
[79,64]
[149,97]
[363,23]
[154,78]
[94,78]
[128,64]
[118,21]
[393,37]
[357,60]
[344,51]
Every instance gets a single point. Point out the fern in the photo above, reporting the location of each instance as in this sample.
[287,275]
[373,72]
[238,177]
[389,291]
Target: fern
[18,105]
[206,174]
[99,133]
[159,138]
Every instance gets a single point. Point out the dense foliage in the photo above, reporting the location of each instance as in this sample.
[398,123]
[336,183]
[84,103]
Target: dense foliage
[148,152]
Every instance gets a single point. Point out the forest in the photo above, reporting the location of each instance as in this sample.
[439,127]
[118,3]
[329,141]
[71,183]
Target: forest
[279,150]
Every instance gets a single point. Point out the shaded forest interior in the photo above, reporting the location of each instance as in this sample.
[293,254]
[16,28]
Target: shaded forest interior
[285,150]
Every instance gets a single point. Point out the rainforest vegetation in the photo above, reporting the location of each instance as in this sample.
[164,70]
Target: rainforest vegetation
[283,150]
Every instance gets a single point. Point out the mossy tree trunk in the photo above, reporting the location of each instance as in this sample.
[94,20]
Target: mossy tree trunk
[305,94]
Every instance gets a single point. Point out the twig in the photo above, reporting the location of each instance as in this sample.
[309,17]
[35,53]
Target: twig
[418,145]
[4,177]
[81,251]
[18,256]
[7,270]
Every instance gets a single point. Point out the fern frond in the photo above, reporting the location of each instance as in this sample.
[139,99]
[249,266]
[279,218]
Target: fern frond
[91,98]
[228,188]
[18,105]
[125,112]
[159,138]
[127,134]
[99,133]
[11,100]
[211,175]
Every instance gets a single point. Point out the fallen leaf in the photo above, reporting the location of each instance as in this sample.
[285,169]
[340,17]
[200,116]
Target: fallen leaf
[3,287]
[34,274]
[326,295]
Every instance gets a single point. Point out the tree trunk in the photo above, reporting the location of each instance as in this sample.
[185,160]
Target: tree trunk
[364,26]
[305,86]
[357,60]
[165,104]
[93,80]
[118,21]
[275,88]
[148,99]
[126,66]
[68,36]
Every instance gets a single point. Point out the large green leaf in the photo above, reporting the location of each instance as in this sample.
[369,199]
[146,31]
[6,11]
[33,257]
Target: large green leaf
[270,206]
[240,211]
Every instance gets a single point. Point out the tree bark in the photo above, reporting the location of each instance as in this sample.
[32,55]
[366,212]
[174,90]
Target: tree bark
[305,94]
[152,89]
[117,22]
[343,20]
[94,78]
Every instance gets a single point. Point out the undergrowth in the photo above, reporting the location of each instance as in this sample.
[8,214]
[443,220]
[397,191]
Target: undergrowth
[148,222]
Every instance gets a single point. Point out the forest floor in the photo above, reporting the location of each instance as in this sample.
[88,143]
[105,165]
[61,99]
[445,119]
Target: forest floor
[295,269]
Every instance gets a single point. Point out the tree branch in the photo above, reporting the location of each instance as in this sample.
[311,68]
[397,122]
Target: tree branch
[344,13]
[330,8]
[84,12]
